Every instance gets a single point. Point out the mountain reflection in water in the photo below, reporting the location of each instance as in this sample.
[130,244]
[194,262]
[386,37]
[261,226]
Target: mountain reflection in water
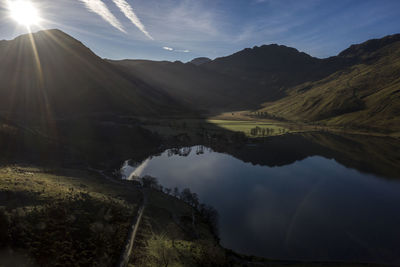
[309,197]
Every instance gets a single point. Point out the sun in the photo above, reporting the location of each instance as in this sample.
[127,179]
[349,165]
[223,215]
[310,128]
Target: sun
[24,12]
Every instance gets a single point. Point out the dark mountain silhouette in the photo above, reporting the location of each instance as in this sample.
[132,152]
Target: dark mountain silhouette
[274,67]
[243,80]
[50,74]
[357,88]
[200,60]
[363,50]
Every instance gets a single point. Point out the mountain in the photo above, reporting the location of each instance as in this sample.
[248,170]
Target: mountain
[365,50]
[196,87]
[200,60]
[357,88]
[49,74]
[366,94]
[243,80]
[275,68]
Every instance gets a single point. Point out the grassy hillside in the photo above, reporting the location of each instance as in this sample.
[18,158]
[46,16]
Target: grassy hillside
[63,217]
[68,217]
[362,96]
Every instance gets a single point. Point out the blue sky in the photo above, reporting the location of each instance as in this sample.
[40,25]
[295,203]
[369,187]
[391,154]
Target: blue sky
[185,29]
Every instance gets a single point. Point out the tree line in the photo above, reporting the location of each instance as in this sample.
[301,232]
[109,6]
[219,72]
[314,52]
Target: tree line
[258,131]
[208,213]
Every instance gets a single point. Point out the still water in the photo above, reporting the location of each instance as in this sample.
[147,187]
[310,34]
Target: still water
[310,209]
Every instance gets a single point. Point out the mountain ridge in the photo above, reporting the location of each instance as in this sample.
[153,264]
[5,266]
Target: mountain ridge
[253,75]
[64,77]
[365,95]
[51,72]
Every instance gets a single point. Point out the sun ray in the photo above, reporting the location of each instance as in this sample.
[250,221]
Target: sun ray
[24,12]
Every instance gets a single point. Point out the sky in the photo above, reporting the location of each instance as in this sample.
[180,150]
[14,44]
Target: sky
[186,29]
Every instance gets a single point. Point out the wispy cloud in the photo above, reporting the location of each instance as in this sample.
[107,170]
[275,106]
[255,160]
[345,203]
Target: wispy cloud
[130,14]
[98,7]
[176,50]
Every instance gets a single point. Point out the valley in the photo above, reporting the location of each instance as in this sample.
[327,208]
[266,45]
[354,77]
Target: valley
[69,120]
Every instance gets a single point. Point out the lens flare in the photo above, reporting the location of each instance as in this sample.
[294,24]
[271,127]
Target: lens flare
[24,12]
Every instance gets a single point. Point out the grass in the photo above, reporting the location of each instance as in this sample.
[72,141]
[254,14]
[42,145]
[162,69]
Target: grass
[194,127]
[365,96]
[169,237]
[247,126]
[67,218]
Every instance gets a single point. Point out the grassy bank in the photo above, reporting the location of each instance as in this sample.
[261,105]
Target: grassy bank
[70,217]
[62,218]
[172,233]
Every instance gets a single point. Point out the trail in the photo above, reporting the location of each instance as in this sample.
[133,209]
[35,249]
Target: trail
[126,254]
[133,229]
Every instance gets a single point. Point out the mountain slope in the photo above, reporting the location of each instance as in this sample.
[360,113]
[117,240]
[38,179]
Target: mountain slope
[51,74]
[200,60]
[275,68]
[240,81]
[365,95]
[196,87]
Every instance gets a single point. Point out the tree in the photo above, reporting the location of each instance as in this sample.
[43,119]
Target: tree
[186,195]
[167,191]
[176,192]
[150,182]
[195,201]
[211,216]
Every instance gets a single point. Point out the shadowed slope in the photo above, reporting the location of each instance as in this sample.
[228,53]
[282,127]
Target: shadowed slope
[200,60]
[274,68]
[240,81]
[195,86]
[51,74]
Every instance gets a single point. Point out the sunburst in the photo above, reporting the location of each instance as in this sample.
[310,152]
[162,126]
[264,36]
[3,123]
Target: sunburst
[24,12]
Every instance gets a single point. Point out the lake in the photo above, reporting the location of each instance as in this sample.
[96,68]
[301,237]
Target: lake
[310,207]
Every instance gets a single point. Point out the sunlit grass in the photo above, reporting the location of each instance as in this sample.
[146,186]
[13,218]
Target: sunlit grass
[49,213]
[246,126]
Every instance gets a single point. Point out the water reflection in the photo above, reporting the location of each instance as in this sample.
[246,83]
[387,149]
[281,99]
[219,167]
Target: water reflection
[312,208]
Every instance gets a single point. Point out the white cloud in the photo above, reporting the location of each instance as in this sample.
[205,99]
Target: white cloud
[130,14]
[176,50]
[98,7]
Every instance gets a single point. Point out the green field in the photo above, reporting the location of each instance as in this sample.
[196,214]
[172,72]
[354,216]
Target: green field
[246,126]
[192,127]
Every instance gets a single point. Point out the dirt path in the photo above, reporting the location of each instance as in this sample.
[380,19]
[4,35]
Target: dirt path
[133,229]
[126,254]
